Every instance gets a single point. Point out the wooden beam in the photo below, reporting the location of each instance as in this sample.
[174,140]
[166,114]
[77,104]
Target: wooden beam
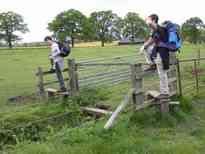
[150,103]
[51,90]
[174,103]
[119,109]
[96,111]
[153,93]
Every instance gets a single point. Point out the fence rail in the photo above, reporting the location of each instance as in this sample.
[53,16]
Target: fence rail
[116,70]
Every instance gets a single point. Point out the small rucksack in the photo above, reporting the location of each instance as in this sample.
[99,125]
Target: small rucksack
[174,42]
[64,49]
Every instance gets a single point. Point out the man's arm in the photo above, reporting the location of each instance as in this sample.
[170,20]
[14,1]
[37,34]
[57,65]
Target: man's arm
[55,51]
[148,43]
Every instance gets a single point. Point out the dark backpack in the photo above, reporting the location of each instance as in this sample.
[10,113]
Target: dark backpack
[174,42]
[64,49]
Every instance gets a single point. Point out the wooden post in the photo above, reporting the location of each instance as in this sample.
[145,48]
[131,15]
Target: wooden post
[41,89]
[76,79]
[196,76]
[164,106]
[172,74]
[73,77]
[172,58]
[164,102]
[199,56]
[179,78]
[137,83]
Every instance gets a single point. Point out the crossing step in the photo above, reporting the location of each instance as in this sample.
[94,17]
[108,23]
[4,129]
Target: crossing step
[53,92]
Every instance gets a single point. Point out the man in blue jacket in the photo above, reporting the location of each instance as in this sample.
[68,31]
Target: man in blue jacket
[161,54]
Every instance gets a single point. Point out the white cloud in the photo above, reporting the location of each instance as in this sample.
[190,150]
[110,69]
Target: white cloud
[39,13]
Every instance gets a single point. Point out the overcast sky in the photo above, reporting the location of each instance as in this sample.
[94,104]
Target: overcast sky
[38,13]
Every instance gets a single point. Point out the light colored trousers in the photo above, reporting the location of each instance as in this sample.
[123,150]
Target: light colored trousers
[60,64]
[163,74]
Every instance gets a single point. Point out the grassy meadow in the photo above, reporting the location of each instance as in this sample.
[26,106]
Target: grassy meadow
[18,66]
[135,133]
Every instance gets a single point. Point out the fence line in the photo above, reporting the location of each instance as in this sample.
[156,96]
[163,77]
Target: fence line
[114,73]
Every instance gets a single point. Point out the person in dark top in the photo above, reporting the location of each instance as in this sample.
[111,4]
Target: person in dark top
[159,54]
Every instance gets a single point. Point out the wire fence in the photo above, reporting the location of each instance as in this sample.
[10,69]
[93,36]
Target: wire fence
[114,71]
[191,76]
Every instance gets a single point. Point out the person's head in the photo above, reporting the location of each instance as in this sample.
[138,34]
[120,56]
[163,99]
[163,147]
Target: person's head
[152,20]
[49,40]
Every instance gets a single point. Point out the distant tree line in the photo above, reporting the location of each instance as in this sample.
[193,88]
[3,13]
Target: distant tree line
[104,26]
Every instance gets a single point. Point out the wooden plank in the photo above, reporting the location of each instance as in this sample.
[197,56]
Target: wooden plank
[96,111]
[119,109]
[174,103]
[153,93]
[150,103]
[52,90]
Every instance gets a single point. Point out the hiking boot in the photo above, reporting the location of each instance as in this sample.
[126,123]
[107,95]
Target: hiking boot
[62,90]
[152,67]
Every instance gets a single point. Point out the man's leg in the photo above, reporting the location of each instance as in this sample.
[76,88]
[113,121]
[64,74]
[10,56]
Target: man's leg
[163,77]
[52,69]
[58,68]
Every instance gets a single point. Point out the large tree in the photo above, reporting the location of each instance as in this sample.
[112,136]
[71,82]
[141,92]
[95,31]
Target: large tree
[134,26]
[10,23]
[68,23]
[88,32]
[192,30]
[104,24]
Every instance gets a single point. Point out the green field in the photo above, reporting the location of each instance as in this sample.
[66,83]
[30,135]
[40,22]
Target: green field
[18,66]
[140,133]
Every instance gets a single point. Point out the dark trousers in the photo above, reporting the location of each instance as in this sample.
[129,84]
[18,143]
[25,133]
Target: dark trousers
[164,54]
[60,77]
